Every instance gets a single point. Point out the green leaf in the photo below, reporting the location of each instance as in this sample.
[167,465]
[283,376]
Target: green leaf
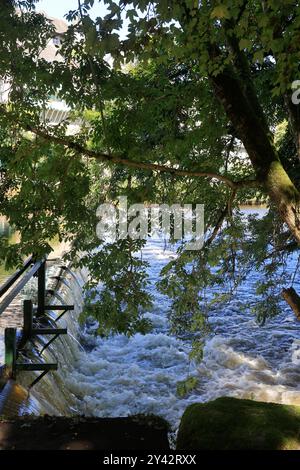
[184,387]
[221,11]
[245,44]
[259,56]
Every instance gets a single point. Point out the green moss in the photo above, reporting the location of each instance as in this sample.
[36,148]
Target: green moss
[280,184]
[231,423]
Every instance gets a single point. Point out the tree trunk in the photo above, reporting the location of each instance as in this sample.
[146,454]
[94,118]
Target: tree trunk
[286,197]
[293,299]
[258,142]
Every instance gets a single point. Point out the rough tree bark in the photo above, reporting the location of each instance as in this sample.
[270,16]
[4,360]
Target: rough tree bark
[246,115]
[258,142]
[293,299]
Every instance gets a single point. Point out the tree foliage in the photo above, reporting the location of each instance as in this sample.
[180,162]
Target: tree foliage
[192,83]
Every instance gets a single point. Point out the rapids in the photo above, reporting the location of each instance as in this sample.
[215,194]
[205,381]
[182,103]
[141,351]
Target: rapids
[119,376]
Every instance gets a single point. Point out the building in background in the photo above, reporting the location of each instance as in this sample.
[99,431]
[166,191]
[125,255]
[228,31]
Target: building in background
[56,111]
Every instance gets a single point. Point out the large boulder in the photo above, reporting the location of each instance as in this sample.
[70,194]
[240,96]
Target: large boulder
[231,423]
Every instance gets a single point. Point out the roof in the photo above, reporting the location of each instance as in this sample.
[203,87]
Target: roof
[60,25]
[51,52]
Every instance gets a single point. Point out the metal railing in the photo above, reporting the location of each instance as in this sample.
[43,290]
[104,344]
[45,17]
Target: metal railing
[16,285]
[14,342]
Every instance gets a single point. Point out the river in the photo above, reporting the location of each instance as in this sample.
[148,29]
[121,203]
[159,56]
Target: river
[119,376]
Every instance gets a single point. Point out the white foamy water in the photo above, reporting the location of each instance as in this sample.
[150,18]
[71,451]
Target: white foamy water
[121,376]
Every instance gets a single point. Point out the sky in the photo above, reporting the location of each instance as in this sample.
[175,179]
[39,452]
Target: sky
[58,8]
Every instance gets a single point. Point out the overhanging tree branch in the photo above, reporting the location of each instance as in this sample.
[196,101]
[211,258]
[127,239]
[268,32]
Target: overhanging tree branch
[119,160]
[227,211]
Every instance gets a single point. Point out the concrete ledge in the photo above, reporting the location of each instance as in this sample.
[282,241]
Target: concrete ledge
[59,433]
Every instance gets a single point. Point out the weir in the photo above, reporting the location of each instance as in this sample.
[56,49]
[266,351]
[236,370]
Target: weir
[39,355]
[25,392]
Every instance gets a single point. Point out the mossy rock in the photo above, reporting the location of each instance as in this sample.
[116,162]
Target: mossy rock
[231,423]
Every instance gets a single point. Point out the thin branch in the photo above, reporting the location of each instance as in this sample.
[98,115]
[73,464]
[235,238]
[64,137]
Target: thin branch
[288,247]
[227,211]
[115,159]
[119,160]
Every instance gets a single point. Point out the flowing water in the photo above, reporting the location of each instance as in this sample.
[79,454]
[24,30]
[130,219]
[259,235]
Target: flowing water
[119,376]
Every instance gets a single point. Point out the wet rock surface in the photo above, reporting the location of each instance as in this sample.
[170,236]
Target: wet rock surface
[235,424]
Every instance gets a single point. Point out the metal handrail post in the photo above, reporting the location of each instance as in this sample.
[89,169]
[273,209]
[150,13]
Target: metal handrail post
[10,338]
[41,289]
